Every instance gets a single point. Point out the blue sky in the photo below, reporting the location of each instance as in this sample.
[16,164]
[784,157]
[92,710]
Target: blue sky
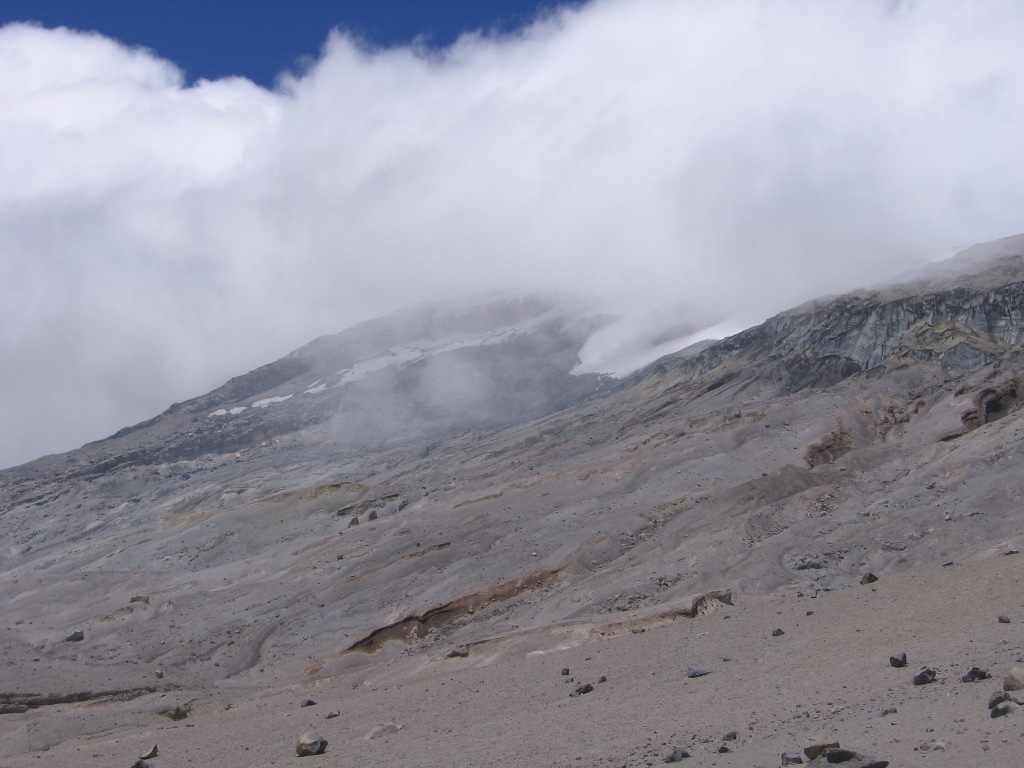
[259,39]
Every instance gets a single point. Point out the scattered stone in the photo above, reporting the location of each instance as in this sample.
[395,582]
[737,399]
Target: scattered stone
[998,698]
[974,674]
[898,660]
[925,676]
[853,759]
[1012,552]
[812,751]
[177,712]
[697,672]
[565,671]
[307,703]
[888,711]
[75,637]
[602,679]
[151,754]
[931,746]
[140,764]
[868,578]
[353,521]
[730,736]
[1002,709]
[582,689]
[638,630]
[310,743]
[777,632]
[372,515]
[723,749]
[1015,680]
[791,758]
[331,715]
[159,674]
[1003,619]
[139,599]
[458,653]
[837,754]
[675,755]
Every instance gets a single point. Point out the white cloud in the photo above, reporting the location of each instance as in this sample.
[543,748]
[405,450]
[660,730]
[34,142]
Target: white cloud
[702,161]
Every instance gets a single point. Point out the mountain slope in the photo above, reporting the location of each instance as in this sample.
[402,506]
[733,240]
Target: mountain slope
[879,432]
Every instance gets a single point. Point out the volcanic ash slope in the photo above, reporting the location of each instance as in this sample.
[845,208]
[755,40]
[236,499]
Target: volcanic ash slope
[429,580]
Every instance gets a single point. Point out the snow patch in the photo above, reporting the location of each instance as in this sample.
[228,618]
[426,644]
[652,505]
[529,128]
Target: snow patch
[225,412]
[406,354]
[617,350]
[269,400]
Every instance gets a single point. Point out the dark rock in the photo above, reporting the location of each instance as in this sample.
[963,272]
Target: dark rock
[888,711]
[310,743]
[372,515]
[723,749]
[1002,709]
[998,698]
[458,653]
[791,758]
[1003,619]
[177,712]
[815,750]
[140,764]
[565,671]
[730,736]
[925,676]
[353,521]
[868,578]
[151,754]
[582,689]
[332,715]
[777,632]
[898,660]
[1012,552]
[307,703]
[602,679]
[974,674]
[675,755]
[75,637]
[849,758]
[697,672]
[139,599]
[838,755]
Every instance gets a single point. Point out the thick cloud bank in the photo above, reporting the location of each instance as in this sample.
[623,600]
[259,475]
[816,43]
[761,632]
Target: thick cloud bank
[694,163]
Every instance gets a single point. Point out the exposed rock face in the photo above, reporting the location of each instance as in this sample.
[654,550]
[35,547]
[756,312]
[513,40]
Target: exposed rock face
[822,343]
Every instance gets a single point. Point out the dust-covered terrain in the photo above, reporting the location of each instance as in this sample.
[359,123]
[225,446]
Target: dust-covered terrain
[419,524]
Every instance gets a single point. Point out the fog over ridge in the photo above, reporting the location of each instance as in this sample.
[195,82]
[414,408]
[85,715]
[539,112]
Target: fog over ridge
[694,164]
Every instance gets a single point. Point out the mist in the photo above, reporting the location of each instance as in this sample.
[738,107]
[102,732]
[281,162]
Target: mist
[688,164]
